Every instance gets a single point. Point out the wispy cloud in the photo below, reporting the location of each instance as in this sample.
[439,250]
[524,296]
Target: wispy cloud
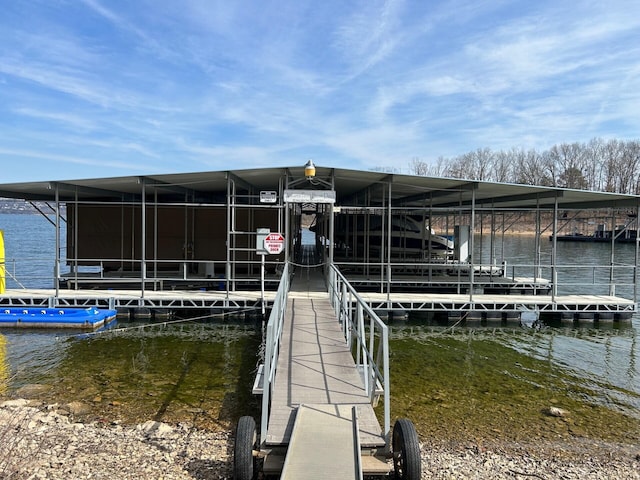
[209,84]
[66,119]
[122,23]
[63,159]
[369,35]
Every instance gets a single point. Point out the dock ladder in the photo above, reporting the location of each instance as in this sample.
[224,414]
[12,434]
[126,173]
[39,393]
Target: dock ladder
[326,366]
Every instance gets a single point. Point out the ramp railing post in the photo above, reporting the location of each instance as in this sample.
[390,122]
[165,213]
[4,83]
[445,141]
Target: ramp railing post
[360,324]
[344,317]
[386,386]
[362,355]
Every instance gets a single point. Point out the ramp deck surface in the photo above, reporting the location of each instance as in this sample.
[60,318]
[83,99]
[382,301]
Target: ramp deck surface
[323,445]
[315,366]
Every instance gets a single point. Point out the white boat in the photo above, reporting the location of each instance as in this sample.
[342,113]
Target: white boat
[410,238]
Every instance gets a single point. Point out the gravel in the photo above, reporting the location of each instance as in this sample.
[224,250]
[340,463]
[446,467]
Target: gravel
[44,442]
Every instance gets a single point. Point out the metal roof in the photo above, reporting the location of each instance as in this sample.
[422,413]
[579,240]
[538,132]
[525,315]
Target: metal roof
[406,190]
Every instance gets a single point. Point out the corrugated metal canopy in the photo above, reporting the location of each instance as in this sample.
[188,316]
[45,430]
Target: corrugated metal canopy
[350,185]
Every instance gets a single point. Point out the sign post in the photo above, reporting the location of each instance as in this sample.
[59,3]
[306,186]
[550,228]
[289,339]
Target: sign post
[267,243]
[261,234]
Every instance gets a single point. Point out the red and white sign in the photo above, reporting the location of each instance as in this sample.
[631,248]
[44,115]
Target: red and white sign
[274,243]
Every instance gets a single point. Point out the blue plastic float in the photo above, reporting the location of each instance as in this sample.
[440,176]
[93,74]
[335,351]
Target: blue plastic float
[84,318]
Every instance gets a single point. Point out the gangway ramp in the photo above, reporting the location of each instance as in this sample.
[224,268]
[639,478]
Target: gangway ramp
[319,389]
[326,362]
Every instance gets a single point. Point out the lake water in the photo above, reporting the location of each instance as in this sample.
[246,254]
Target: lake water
[30,248]
[451,382]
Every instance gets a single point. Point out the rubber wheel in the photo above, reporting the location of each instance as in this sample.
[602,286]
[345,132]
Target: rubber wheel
[243,461]
[406,450]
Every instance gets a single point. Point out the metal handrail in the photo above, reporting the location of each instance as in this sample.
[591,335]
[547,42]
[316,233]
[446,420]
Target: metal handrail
[603,276]
[29,272]
[272,347]
[171,270]
[375,368]
[11,275]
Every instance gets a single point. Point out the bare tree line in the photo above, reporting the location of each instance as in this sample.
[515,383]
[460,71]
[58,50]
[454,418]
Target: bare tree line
[599,165]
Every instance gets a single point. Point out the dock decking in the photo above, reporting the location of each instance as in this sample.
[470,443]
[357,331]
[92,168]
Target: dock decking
[190,299]
[490,302]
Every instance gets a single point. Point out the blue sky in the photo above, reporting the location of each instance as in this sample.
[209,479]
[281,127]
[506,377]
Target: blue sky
[96,88]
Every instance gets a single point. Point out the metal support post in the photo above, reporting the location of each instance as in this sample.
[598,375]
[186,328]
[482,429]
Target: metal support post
[554,252]
[56,279]
[262,283]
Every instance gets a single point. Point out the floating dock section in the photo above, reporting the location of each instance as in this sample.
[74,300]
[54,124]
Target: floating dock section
[510,306]
[75,318]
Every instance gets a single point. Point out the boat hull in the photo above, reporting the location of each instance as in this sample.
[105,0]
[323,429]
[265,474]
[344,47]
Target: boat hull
[600,236]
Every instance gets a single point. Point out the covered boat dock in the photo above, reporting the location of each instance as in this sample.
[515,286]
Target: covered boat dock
[197,241]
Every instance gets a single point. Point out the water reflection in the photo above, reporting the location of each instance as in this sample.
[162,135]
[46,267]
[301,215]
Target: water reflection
[600,364]
[607,363]
[32,356]
[165,371]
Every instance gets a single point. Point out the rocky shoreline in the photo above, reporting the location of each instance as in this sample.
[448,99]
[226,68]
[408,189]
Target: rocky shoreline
[46,442]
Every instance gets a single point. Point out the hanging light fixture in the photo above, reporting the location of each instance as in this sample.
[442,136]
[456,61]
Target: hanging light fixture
[309,170]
